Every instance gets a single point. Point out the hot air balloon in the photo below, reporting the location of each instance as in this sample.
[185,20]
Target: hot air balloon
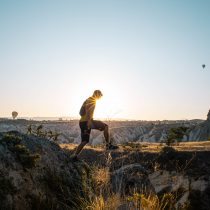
[203,66]
[14,114]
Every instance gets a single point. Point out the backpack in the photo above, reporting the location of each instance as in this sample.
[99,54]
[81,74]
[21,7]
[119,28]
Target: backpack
[82,111]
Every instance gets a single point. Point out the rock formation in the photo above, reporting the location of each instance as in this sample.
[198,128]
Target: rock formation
[201,132]
[130,179]
[208,116]
[121,131]
[37,174]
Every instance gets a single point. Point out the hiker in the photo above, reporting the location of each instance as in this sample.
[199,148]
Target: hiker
[87,123]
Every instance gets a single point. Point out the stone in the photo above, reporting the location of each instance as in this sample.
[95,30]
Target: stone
[131,179]
[52,180]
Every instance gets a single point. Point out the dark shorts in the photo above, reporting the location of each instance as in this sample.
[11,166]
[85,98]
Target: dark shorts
[85,132]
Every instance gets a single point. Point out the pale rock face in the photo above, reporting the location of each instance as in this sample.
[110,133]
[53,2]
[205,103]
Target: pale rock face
[172,181]
[194,134]
[120,132]
[131,178]
[199,184]
[208,116]
[98,140]
[202,131]
[77,140]
[165,179]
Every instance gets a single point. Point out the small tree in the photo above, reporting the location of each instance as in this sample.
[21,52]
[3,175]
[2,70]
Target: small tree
[176,134]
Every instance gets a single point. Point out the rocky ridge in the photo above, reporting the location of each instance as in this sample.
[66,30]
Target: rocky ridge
[37,174]
[121,131]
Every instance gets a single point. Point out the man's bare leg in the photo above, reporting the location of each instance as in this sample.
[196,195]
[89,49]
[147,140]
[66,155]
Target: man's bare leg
[80,147]
[109,144]
[106,135]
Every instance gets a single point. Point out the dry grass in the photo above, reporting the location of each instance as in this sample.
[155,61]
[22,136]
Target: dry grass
[101,176]
[134,202]
[73,146]
[100,203]
[151,202]
[194,146]
[103,198]
[150,147]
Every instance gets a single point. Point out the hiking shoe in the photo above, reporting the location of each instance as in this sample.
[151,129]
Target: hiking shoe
[112,147]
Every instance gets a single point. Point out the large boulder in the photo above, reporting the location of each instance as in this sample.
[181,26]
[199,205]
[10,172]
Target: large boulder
[36,173]
[130,179]
[194,191]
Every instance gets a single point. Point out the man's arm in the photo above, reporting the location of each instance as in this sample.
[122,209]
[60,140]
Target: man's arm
[90,107]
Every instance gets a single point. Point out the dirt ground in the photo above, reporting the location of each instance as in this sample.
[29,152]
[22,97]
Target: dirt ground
[191,158]
[150,147]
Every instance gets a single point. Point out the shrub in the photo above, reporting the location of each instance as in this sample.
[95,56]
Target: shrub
[13,143]
[152,202]
[10,140]
[23,154]
[40,132]
[176,134]
[100,179]
[113,201]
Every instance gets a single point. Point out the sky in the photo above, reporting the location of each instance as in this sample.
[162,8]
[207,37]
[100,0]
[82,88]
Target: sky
[145,56]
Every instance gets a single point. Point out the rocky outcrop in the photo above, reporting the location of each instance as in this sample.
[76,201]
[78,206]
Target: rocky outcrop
[37,174]
[181,175]
[130,179]
[183,187]
[121,131]
[200,132]
[208,116]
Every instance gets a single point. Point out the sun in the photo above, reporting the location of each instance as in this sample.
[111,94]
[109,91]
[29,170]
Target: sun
[111,104]
[108,107]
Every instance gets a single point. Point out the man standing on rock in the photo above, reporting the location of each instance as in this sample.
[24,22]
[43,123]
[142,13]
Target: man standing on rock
[87,123]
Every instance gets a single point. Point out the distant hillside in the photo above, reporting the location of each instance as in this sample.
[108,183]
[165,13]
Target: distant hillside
[202,131]
[121,131]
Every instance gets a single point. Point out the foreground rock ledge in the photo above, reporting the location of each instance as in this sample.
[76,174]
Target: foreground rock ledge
[37,174]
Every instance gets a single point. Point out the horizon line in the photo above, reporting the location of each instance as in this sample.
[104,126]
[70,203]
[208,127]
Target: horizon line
[68,118]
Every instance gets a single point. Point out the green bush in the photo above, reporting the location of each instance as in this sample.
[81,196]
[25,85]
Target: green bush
[176,134]
[40,132]
[27,160]
[10,140]
[13,143]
